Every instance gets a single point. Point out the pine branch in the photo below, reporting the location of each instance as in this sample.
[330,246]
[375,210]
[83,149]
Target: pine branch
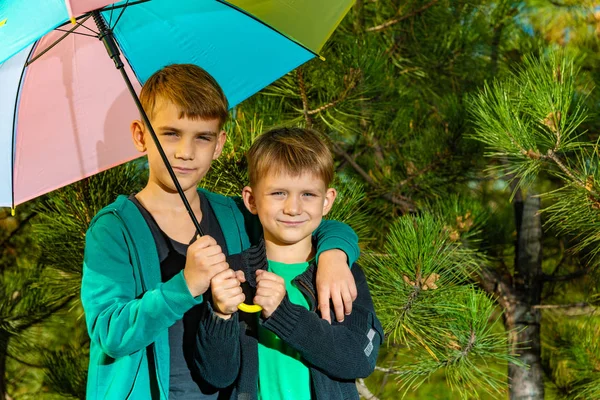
[554,125]
[497,285]
[558,4]
[326,106]
[351,79]
[465,352]
[428,168]
[302,86]
[552,155]
[402,18]
[364,391]
[496,37]
[405,204]
[355,154]
[386,370]
[20,361]
[416,289]
[553,306]
[562,260]
[379,157]
[567,277]
[43,315]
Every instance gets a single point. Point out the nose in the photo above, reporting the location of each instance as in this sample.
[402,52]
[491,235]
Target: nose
[292,206]
[184,150]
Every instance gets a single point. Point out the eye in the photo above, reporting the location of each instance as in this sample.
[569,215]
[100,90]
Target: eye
[204,138]
[170,134]
[309,194]
[277,194]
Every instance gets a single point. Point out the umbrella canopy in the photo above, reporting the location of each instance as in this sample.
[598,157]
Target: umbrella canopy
[64,109]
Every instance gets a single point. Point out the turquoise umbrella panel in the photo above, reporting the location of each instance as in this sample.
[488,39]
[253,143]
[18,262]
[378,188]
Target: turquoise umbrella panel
[24,23]
[243,54]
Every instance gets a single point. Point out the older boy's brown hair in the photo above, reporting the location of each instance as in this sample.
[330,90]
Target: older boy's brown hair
[291,150]
[190,88]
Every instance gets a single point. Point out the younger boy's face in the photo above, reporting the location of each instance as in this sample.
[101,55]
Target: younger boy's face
[289,207]
[189,144]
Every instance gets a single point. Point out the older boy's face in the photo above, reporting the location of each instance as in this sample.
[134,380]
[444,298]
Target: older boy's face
[189,144]
[289,207]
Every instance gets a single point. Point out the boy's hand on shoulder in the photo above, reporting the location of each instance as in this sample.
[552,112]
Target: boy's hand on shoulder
[204,260]
[227,294]
[335,282]
[270,291]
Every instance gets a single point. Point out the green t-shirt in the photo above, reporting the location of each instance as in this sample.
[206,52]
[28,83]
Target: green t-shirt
[282,375]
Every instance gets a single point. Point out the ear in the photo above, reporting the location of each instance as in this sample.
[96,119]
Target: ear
[249,200]
[137,133]
[329,199]
[221,138]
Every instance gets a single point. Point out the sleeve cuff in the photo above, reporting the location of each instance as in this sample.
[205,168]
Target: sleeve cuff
[217,326]
[254,258]
[284,320]
[177,295]
[331,243]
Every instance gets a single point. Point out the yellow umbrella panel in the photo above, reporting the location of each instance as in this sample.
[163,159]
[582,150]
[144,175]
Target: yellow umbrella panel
[308,22]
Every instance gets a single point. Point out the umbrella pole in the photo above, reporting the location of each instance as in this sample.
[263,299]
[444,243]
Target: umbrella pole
[106,36]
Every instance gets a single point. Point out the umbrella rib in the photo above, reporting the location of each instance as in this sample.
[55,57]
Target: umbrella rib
[57,41]
[131,3]
[120,15]
[76,33]
[112,9]
[89,29]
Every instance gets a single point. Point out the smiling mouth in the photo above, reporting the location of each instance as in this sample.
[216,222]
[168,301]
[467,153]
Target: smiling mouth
[182,170]
[292,223]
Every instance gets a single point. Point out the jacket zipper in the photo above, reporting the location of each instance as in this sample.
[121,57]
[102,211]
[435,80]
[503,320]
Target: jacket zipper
[309,292]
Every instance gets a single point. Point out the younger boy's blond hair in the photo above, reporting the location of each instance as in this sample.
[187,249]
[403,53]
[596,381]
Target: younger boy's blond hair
[290,150]
[190,88]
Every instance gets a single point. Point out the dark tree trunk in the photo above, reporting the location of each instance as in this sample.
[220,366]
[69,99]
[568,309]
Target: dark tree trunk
[3,354]
[526,383]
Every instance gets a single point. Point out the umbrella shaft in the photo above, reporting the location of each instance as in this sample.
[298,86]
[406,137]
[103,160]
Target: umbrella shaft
[106,36]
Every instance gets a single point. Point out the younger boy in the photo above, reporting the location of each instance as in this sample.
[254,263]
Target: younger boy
[293,354]
[145,268]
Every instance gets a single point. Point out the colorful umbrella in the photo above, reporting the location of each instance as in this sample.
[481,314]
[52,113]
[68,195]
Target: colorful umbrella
[64,110]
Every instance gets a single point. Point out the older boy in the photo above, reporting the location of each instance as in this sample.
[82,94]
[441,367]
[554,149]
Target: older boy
[293,354]
[144,272]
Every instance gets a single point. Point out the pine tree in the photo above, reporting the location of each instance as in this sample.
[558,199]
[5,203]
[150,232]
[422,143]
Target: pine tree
[532,120]
[24,302]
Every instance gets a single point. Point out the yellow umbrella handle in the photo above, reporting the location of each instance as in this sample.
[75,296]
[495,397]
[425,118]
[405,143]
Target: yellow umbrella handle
[247,308]
[249,292]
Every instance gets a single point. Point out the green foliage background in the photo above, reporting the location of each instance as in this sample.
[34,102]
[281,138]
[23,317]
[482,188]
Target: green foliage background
[441,115]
